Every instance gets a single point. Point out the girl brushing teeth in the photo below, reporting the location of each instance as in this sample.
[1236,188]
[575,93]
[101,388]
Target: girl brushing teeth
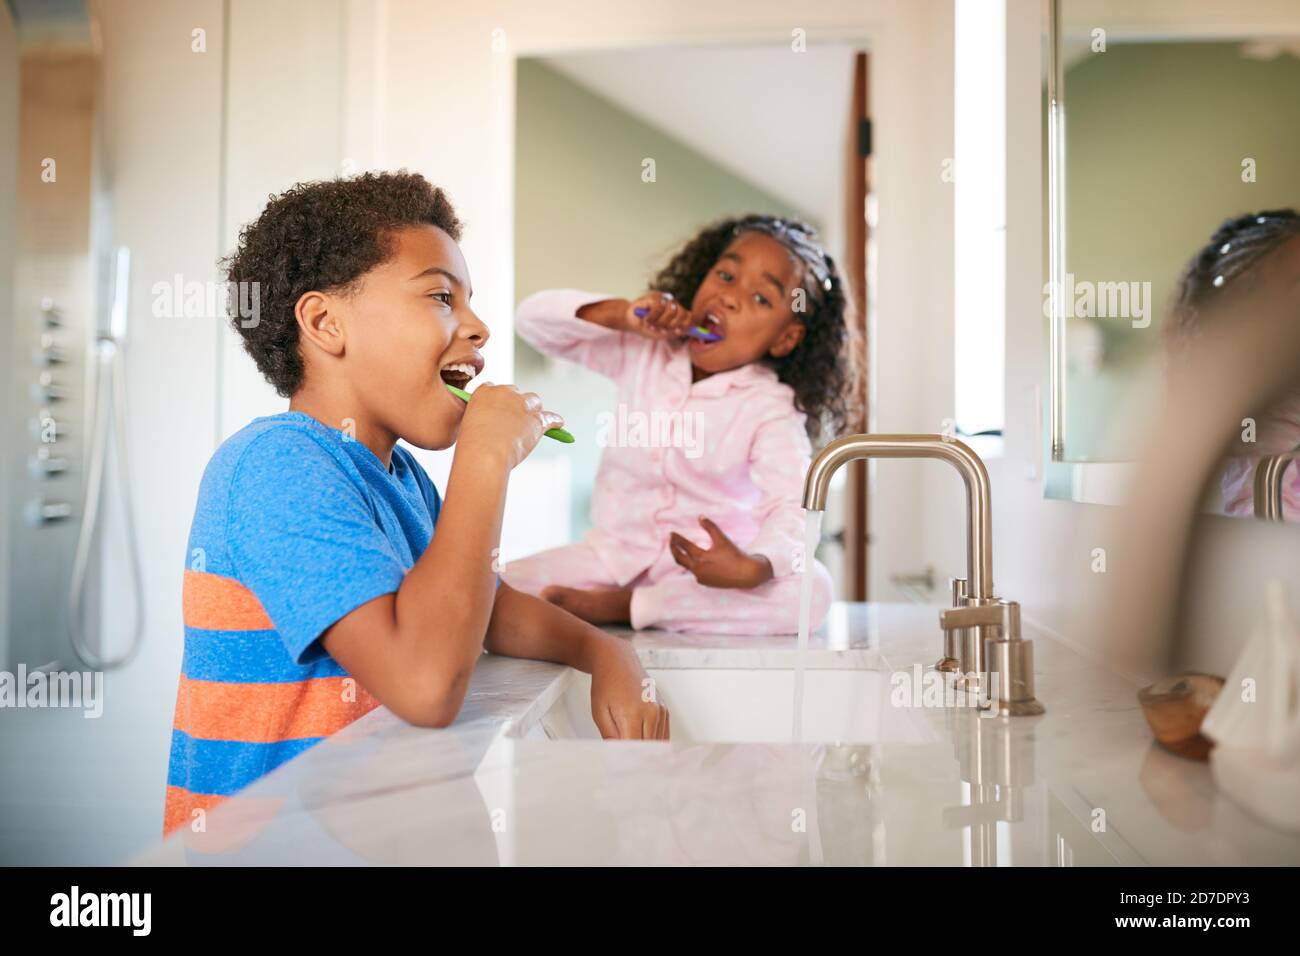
[740,345]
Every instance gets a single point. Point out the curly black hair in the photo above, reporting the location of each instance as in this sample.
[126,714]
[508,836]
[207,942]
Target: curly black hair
[1236,247]
[823,369]
[321,236]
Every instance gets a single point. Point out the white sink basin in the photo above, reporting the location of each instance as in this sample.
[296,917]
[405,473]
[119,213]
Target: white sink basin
[725,705]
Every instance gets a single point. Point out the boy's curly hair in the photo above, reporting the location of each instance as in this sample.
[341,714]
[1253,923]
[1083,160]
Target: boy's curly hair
[321,236]
[823,369]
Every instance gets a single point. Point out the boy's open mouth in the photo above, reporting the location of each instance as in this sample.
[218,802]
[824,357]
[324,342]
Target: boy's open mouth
[461,374]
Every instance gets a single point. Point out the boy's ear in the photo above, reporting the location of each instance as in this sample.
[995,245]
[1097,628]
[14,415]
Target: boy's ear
[318,324]
[788,340]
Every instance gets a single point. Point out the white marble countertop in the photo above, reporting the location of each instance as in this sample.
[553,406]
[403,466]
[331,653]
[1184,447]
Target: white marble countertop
[1083,784]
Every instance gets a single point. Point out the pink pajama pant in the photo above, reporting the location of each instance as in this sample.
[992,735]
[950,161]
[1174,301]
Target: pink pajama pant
[667,596]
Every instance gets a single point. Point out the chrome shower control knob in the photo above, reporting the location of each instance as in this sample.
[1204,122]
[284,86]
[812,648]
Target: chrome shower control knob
[46,389]
[41,511]
[44,465]
[51,314]
[49,352]
[45,428]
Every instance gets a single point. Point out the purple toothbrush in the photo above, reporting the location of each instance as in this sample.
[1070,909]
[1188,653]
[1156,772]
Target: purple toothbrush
[695,331]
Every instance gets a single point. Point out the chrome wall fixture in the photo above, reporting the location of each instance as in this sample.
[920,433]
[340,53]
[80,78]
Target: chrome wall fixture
[1268,485]
[1056,228]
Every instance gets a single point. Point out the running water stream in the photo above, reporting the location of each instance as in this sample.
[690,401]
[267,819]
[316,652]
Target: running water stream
[812,531]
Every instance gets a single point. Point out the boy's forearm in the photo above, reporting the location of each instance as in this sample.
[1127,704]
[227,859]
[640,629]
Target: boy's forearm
[526,626]
[451,588]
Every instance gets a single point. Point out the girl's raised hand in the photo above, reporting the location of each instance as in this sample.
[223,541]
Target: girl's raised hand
[658,315]
[723,564]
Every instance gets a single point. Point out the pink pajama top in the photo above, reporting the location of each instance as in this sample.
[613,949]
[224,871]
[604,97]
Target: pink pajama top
[1279,432]
[731,447]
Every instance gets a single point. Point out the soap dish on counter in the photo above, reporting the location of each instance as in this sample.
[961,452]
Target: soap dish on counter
[1175,707]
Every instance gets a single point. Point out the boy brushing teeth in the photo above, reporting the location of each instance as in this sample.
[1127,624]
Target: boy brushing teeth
[327,575]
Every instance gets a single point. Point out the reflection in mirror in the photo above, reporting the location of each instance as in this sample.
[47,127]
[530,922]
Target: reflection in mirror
[1255,479]
[1177,141]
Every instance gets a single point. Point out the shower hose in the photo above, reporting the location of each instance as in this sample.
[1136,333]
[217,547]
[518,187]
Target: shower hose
[110,403]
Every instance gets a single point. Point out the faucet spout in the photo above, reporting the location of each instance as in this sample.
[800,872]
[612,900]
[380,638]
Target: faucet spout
[979,517]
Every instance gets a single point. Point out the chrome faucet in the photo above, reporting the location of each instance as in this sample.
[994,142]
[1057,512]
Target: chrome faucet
[981,632]
[1268,485]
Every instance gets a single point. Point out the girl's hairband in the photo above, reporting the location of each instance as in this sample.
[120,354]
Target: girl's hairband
[798,240]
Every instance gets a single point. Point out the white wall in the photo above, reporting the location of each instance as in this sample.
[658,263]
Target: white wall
[284,102]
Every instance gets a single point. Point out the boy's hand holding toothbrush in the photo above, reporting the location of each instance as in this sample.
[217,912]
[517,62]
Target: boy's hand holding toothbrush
[503,424]
[723,564]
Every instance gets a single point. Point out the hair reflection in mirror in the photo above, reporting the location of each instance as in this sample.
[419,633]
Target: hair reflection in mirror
[1224,268]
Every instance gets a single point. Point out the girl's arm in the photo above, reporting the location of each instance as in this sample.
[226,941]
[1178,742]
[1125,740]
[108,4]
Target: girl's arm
[550,322]
[778,461]
[601,332]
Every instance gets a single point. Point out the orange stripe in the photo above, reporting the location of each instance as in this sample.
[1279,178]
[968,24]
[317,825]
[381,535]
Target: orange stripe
[180,807]
[214,603]
[242,819]
[269,713]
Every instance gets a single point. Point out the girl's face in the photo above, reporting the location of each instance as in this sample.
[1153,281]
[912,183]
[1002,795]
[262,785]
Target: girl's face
[747,298]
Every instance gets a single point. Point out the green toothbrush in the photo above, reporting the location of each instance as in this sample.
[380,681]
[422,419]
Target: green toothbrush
[559,434]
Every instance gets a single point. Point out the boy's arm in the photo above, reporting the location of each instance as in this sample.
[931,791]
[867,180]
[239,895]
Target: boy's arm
[415,649]
[526,626]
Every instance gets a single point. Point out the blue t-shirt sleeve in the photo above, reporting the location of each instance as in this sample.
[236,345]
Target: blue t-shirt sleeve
[304,538]
[429,490]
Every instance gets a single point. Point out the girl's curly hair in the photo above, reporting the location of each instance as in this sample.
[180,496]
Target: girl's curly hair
[823,369]
[1223,265]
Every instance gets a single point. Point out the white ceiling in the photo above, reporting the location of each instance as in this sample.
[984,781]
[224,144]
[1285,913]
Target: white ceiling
[772,116]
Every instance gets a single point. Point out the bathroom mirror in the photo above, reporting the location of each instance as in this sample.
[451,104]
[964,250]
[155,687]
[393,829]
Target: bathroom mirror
[1162,121]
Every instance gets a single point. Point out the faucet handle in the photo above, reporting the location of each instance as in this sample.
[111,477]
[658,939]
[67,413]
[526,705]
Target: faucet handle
[1004,614]
[958,588]
[1009,658]
[952,638]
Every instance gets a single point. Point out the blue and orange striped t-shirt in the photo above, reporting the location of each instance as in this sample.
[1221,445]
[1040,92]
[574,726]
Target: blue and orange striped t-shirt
[296,526]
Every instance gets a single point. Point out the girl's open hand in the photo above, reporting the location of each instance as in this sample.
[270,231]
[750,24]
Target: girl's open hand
[722,564]
[657,315]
